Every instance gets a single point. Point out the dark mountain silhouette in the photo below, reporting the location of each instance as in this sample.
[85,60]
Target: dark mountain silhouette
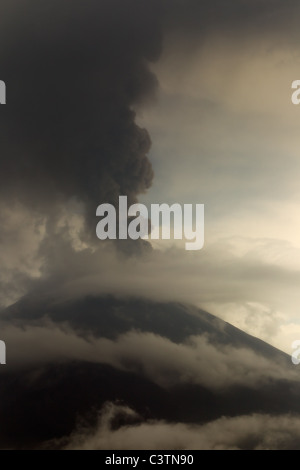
[39,403]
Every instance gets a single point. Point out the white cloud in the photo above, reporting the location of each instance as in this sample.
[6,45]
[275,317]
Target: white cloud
[255,432]
[164,362]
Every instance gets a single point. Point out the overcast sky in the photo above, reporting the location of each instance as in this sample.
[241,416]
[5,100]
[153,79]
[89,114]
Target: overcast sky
[225,133]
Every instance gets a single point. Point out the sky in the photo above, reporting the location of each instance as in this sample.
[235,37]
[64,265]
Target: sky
[171,101]
[225,133]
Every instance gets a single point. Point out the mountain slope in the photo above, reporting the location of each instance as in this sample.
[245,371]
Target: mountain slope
[165,361]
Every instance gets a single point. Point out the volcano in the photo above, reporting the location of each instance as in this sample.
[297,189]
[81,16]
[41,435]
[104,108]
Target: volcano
[169,362]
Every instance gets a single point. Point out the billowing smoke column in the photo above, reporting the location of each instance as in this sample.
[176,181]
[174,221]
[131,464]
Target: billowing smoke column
[74,70]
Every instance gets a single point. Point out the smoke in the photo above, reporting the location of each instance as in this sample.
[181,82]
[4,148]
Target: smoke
[74,72]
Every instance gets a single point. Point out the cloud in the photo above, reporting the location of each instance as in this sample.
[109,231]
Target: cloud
[197,360]
[74,78]
[74,73]
[250,283]
[255,432]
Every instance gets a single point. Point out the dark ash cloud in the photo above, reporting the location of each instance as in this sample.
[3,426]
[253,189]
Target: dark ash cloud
[74,72]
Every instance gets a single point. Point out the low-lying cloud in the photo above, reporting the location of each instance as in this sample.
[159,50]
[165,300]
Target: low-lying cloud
[254,432]
[197,360]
